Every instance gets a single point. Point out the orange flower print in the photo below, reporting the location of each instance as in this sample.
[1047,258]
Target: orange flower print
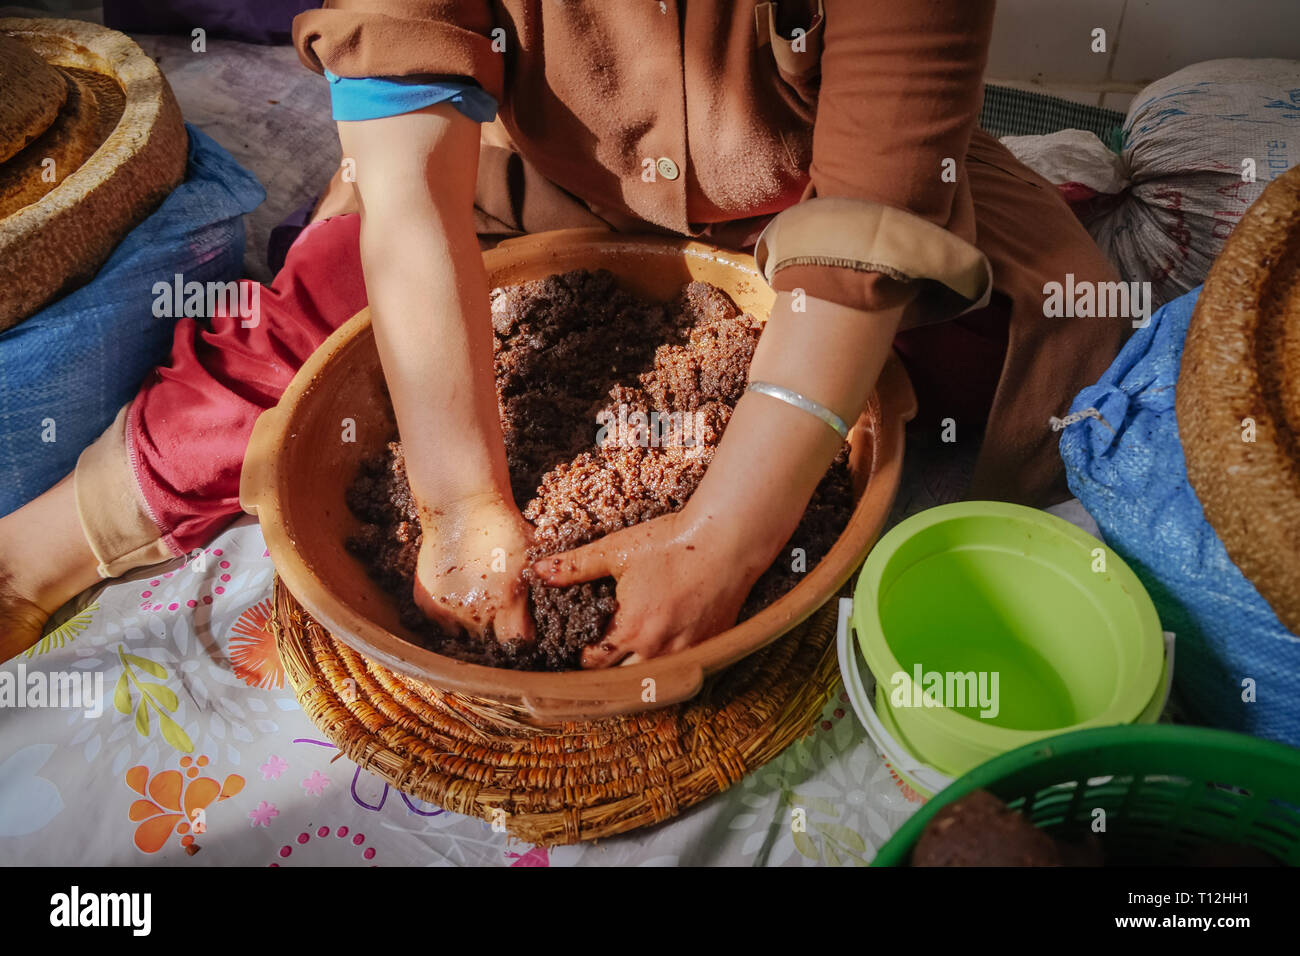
[253,654]
[169,803]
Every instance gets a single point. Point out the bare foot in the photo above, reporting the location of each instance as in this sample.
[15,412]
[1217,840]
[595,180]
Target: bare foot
[44,563]
[21,620]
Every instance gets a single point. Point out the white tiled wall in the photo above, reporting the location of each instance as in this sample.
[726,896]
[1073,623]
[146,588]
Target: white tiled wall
[1046,45]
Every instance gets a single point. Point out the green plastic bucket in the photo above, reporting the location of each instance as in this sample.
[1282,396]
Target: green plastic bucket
[1165,791]
[1031,626]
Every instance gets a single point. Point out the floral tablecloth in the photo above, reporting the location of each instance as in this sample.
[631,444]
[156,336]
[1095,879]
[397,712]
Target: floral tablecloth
[199,754]
[199,730]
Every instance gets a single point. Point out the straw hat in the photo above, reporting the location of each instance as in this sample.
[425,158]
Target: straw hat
[91,141]
[1239,396]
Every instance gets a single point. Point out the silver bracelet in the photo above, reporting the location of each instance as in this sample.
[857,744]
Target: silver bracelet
[804,402]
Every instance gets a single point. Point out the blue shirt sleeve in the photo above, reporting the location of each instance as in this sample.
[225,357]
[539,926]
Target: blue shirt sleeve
[375,97]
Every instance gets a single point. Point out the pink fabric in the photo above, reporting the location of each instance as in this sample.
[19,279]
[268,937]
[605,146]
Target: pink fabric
[1074,193]
[189,425]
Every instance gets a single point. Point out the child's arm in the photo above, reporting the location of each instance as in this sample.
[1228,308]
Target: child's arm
[415,176]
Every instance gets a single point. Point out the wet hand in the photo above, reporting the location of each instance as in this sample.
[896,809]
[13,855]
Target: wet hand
[681,579]
[470,568]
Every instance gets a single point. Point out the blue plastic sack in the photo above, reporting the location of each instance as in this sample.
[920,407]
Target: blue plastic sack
[1128,471]
[81,358]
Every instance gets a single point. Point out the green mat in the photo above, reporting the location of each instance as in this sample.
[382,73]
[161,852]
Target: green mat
[1009,112]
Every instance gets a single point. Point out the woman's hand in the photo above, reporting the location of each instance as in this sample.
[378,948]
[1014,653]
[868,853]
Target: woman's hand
[680,581]
[470,570]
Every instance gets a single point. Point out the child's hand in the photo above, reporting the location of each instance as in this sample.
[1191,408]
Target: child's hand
[469,573]
[681,580]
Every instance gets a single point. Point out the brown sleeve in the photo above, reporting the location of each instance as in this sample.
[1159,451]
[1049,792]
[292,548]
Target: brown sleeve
[359,38]
[901,87]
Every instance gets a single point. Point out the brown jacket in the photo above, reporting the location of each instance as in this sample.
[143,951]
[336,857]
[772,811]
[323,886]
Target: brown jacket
[845,129]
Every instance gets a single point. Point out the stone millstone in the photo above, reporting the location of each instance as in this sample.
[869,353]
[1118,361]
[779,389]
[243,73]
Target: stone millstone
[118,147]
[1239,397]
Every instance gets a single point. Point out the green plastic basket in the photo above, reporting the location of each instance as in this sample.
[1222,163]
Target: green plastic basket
[1165,789]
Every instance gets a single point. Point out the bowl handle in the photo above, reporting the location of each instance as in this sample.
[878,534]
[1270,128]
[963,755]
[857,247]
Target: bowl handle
[672,686]
[898,397]
[257,475]
[862,705]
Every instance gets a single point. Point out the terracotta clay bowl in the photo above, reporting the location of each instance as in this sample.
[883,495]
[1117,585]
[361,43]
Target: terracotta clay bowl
[297,470]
